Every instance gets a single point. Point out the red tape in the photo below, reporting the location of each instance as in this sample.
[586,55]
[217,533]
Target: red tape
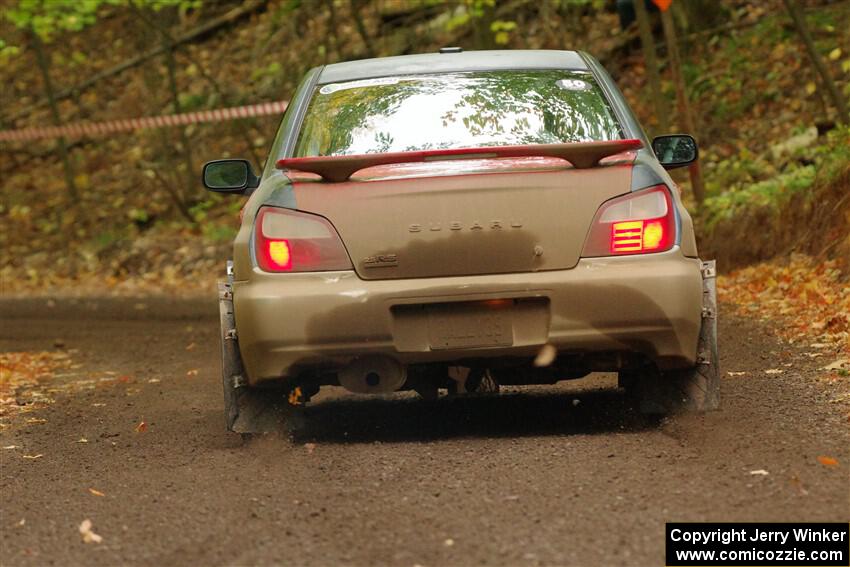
[78,129]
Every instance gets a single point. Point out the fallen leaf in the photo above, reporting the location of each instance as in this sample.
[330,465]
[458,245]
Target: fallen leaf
[22,522]
[838,364]
[88,535]
[190,346]
[142,427]
[96,492]
[546,356]
[835,54]
[193,372]
[761,472]
[827,461]
[811,87]
[797,483]
[33,456]
[310,447]
[295,396]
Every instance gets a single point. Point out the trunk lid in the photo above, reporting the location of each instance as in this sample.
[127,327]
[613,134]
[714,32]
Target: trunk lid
[473,217]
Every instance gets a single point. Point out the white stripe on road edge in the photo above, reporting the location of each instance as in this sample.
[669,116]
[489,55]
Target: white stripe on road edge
[77,129]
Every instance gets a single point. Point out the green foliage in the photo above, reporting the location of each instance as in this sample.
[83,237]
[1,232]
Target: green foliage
[769,193]
[271,70]
[502,31]
[49,17]
[138,215]
[7,51]
[477,8]
[214,232]
[199,211]
[191,101]
[108,238]
[472,10]
[831,159]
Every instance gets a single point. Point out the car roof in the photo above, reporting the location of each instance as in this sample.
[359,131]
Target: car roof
[429,63]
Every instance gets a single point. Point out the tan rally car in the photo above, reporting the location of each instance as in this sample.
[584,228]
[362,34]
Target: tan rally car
[460,221]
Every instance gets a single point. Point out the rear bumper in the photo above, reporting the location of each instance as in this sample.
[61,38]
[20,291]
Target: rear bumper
[652,304]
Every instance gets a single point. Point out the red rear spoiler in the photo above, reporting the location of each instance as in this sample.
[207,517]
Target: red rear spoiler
[339,168]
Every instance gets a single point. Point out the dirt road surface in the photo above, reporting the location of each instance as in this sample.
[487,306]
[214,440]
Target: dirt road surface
[565,475]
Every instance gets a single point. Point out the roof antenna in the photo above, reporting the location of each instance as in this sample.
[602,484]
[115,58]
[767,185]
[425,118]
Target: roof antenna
[451,50]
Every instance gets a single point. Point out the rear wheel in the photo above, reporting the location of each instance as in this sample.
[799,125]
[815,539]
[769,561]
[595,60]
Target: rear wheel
[690,389]
[478,381]
[481,381]
[248,410]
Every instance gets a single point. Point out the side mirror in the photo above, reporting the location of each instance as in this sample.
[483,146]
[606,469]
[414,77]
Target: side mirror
[229,176]
[675,150]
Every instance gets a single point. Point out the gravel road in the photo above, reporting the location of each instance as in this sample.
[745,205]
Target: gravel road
[564,475]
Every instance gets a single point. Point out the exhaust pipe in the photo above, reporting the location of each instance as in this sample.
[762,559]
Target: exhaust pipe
[373,375]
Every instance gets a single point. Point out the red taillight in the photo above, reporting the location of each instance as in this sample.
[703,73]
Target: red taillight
[279,255]
[638,223]
[291,241]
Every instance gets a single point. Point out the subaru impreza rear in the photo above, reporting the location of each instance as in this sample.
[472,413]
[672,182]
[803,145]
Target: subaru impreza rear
[456,222]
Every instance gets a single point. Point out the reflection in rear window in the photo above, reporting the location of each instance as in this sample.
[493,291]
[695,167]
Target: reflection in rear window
[455,110]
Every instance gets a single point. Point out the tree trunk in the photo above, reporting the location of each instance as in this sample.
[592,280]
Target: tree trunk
[163,167]
[649,55]
[168,46]
[817,61]
[547,22]
[482,35]
[334,30]
[361,27]
[682,97]
[203,30]
[44,67]
[191,175]
[162,30]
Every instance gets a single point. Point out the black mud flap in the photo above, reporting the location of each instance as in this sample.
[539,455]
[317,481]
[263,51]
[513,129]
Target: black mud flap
[690,389]
[246,409]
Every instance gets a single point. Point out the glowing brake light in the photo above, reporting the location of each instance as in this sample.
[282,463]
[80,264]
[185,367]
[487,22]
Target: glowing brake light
[636,236]
[638,223]
[279,254]
[291,241]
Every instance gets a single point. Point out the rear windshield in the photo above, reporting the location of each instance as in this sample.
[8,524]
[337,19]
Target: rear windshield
[455,110]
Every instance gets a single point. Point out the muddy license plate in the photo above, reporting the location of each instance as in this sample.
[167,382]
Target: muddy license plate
[470,326]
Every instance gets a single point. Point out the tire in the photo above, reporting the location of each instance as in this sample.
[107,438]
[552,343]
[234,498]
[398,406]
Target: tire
[694,389]
[248,410]
[481,381]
